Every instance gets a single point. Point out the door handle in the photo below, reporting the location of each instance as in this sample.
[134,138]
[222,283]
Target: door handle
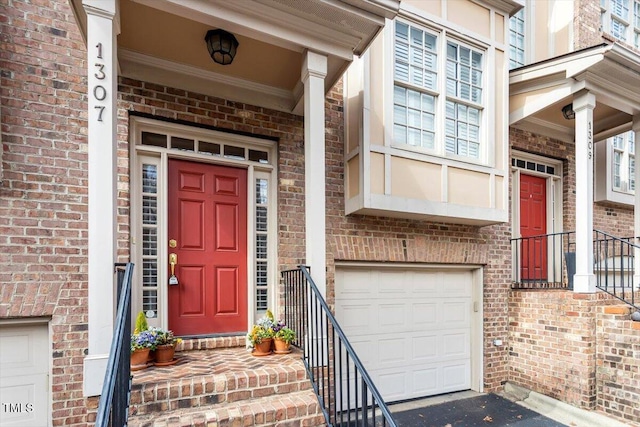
[173,261]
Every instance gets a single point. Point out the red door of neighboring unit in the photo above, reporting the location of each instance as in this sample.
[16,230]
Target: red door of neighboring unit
[208,226]
[533,222]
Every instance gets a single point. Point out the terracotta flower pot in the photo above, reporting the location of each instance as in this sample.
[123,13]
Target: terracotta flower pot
[139,359]
[282,347]
[263,348]
[164,354]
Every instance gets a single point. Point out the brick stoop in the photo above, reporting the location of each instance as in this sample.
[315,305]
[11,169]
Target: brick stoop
[290,410]
[224,386]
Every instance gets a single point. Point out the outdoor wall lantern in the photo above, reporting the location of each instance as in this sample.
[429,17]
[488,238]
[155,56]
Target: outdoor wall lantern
[222,46]
[568,113]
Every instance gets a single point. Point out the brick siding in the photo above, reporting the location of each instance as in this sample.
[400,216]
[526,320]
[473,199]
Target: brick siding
[618,365]
[43,202]
[43,195]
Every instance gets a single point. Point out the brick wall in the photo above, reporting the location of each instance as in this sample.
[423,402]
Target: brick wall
[586,24]
[618,364]
[43,192]
[552,344]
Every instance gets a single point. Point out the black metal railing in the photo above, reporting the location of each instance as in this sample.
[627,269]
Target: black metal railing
[543,261]
[613,267]
[347,395]
[114,400]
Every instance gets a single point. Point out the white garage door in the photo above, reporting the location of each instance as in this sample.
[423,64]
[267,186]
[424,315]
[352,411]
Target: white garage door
[410,328]
[24,369]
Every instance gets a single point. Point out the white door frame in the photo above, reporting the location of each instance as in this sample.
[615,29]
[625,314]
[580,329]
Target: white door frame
[159,157]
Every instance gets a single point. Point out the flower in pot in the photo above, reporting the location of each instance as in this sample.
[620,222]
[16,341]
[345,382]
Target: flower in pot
[141,344]
[283,338]
[165,346]
[261,335]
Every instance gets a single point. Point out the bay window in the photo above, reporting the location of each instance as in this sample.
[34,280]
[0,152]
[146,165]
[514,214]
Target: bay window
[421,95]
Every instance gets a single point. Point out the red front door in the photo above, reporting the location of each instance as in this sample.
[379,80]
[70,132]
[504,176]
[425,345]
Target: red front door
[533,222]
[208,227]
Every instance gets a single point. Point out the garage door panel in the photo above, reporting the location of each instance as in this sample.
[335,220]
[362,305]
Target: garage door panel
[391,283]
[412,328]
[417,284]
[356,317]
[395,383]
[391,318]
[455,376]
[24,369]
[366,349]
[424,348]
[357,285]
[455,313]
[424,314]
[457,284]
[425,380]
[456,344]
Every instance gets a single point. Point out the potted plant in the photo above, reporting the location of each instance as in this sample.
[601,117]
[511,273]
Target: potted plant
[261,335]
[283,338]
[141,344]
[165,346]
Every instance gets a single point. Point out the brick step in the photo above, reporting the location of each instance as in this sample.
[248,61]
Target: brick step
[291,410]
[206,377]
[210,343]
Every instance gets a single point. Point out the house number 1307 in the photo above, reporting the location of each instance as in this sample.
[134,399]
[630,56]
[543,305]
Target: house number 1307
[99,91]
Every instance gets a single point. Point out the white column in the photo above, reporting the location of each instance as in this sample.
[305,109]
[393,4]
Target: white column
[102,29]
[314,70]
[636,210]
[583,105]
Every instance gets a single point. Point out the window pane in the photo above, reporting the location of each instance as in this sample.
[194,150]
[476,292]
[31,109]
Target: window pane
[261,246]
[149,210]
[261,218]
[149,241]
[462,130]
[261,191]
[234,152]
[182,143]
[149,179]
[258,156]
[149,273]
[208,148]
[154,139]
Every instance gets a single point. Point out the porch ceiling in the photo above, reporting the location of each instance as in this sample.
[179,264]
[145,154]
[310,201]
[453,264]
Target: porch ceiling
[538,92]
[162,41]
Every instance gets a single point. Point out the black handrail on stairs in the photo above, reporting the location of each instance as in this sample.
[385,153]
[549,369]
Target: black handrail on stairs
[614,266]
[346,392]
[114,400]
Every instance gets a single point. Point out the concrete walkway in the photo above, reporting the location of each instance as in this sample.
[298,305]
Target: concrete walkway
[558,411]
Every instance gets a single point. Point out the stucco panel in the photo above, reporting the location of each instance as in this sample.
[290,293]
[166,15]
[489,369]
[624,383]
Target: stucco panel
[353,176]
[415,179]
[377,173]
[470,15]
[469,188]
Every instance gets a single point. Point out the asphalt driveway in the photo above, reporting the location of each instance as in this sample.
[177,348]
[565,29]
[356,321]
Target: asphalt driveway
[488,410]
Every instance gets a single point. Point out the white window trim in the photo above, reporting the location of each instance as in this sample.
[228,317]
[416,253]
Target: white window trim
[525,50]
[604,183]
[161,156]
[487,107]
[631,32]
[554,199]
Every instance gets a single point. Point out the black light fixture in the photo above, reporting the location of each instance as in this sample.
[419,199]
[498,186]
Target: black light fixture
[222,46]
[568,113]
